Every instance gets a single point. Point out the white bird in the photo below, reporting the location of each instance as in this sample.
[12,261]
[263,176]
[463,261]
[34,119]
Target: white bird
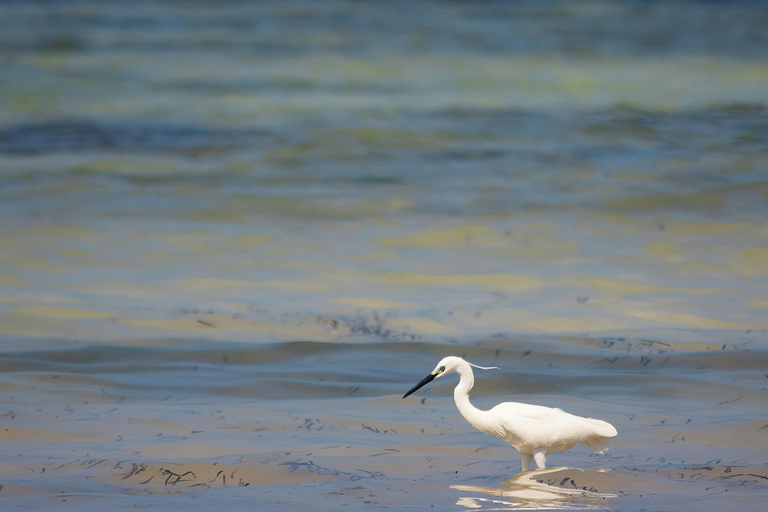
[534,430]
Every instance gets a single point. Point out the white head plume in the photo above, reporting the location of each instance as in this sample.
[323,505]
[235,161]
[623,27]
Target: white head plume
[483,367]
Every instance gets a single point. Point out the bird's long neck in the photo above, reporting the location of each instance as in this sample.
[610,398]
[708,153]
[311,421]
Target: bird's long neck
[472,414]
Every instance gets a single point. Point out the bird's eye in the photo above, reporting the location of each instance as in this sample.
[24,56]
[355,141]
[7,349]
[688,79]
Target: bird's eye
[442,369]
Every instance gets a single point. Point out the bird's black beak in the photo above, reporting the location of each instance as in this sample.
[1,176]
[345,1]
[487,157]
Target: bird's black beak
[426,380]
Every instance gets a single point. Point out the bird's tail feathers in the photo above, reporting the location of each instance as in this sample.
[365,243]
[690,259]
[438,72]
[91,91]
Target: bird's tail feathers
[602,432]
[603,428]
[598,445]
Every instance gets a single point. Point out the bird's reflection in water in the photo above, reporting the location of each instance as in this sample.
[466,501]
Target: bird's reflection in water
[543,489]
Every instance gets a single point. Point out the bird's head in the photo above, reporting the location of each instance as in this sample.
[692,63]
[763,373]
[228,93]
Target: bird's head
[446,365]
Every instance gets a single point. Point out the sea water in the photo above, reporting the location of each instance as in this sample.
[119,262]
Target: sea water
[233,234]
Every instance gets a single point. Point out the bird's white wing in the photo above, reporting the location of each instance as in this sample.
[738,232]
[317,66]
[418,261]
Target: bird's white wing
[528,427]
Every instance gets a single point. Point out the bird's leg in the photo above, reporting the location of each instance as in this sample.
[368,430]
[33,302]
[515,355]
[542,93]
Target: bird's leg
[525,460]
[541,459]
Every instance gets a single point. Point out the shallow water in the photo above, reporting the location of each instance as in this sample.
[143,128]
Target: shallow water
[234,234]
[321,426]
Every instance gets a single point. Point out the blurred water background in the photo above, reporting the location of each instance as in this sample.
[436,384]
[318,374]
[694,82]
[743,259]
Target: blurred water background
[233,233]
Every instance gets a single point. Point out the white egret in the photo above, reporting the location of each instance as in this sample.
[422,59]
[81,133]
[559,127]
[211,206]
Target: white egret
[534,430]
